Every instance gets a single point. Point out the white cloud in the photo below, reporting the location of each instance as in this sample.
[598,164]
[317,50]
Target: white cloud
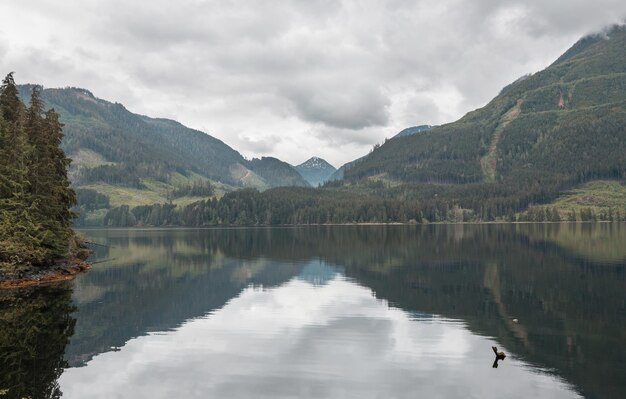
[347,71]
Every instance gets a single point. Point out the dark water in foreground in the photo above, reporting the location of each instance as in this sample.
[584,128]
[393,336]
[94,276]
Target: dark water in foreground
[329,312]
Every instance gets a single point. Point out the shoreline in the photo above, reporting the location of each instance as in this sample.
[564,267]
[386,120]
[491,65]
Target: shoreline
[33,276]
[170,227]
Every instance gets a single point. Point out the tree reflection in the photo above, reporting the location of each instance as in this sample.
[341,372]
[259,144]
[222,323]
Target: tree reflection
[35,327]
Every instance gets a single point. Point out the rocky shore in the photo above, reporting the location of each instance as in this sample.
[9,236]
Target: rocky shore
[32,276]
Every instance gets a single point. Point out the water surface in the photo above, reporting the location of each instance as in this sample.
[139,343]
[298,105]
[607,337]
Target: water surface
[329,312]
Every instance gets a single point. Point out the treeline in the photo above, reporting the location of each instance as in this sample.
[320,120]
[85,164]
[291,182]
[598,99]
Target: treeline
[374,204]
[35,193]
[89,200]
[547,214]
[280,206]
[197,189]
[111,174]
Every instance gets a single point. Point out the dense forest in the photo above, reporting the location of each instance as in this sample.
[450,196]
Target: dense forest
[35,192]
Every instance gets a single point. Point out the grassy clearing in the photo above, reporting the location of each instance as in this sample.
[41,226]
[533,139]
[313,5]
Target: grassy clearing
[89,159]
[605,199]
[384,178]
[130,196]
[155,192]
[600,196]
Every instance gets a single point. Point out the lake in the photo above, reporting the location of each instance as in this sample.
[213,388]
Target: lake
[328,312]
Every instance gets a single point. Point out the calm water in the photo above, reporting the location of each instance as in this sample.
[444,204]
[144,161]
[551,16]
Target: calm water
[330,312]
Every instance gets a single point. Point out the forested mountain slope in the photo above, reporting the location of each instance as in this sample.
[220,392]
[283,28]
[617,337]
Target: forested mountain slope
[113,146]
[276,172]
[339,173]
[413,130]
[561,126]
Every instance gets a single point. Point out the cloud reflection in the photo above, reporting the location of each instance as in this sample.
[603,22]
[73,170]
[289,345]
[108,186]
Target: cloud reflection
[308,341]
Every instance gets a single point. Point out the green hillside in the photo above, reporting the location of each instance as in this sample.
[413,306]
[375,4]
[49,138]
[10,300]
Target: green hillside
[113,146]
[340,173]
[542,134]
[136,160]
[277,173]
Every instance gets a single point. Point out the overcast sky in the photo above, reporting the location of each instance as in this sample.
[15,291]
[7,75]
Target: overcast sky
[293,79]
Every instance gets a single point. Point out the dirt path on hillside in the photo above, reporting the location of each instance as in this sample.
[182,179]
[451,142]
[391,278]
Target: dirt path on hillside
[488,163]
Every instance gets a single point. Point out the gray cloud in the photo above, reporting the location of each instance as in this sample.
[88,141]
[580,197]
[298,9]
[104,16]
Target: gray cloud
[261,146]
[348,108]
[421,109]
[3,46]
[347,71]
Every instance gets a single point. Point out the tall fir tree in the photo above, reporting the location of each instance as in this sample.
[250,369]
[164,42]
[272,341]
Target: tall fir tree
[10,105]
[58,196]
[20,233]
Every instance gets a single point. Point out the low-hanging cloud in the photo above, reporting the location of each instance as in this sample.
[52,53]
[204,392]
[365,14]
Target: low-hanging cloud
[353,68]
[257,146]
[350,108]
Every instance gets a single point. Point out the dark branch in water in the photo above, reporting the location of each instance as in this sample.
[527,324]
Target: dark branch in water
[102,261]
[95,243]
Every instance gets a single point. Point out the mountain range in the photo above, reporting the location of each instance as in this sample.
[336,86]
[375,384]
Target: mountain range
[540,137]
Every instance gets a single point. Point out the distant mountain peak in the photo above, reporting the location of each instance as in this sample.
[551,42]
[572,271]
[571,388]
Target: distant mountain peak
[316,163]
[315,170]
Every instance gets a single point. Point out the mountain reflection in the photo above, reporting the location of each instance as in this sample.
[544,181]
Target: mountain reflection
[568,294]
[158,279]
[305,340]
[358,311]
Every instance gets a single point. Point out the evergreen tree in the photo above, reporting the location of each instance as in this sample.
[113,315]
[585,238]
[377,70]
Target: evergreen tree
[35,193]
[10,104]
